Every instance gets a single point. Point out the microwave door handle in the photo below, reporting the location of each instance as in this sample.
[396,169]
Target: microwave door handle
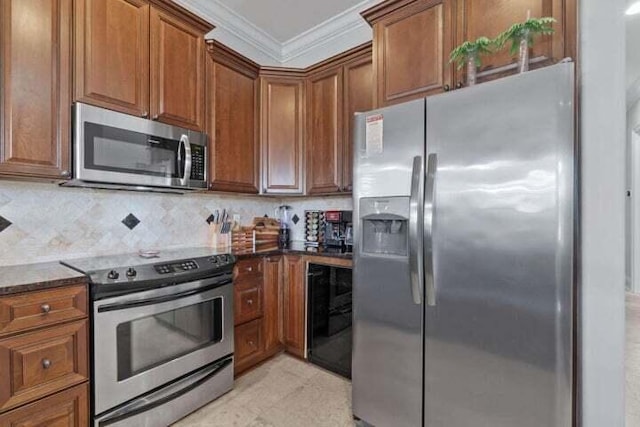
[415,230]
[187,160]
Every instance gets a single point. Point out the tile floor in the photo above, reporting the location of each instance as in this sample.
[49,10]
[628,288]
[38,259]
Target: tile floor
[633,361]
[283,392]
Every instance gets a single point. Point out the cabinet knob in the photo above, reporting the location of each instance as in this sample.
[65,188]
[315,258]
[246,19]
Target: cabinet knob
[249,268]
[251,343]
[155,117]
[45,308]
[46,363]
[446,88]
[145,114]
[65,173]
[250,301]
[459,85]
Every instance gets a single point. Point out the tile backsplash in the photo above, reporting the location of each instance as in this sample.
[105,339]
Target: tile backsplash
[42,222]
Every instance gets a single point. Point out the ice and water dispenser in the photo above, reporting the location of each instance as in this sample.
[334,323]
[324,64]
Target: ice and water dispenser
[385,225]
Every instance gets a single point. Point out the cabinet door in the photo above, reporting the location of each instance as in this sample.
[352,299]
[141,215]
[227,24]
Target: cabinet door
[35,76]
[231,117]
[112,54]
[358,97]
[177,72]
[249,345]
[273,296]
[282,134]
[324,132]
[412,50]
[491,17]
[69,408]
[294,305]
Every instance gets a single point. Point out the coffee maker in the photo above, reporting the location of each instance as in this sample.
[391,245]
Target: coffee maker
[338,230]
[283,214]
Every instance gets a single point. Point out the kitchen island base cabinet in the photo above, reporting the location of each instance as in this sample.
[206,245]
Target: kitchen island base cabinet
[69,408]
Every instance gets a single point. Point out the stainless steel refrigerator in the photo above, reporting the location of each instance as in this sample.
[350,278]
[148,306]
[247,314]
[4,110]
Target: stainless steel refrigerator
[464,217]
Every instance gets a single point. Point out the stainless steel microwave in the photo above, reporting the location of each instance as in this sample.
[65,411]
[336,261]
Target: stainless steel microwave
[115,150]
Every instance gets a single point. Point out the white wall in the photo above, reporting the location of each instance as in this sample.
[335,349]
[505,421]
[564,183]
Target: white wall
[601,295]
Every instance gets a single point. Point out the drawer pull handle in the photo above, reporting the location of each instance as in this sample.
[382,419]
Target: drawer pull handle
[251,343]
[250,301]
[45,308]
[249,268]
[46,363]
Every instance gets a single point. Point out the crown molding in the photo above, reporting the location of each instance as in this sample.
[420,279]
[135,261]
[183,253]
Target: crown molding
[343,31]
[235,26]
[326,33]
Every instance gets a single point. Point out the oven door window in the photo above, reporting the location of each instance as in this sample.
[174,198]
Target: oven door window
[118,150]
[150,341]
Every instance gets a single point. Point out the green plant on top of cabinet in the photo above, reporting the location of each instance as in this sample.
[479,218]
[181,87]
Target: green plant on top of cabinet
[141,57]
[232,120]
[35,94]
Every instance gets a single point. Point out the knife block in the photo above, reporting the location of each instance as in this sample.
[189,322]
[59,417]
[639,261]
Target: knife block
[220,240]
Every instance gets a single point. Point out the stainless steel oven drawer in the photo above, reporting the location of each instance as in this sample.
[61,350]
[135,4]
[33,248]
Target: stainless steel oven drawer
[174,401]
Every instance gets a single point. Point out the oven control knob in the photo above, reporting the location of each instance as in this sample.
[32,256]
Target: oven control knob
[113,275]
[131,272]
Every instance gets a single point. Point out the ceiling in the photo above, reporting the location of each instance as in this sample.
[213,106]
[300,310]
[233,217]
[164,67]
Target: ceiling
[292,33]
[285,19]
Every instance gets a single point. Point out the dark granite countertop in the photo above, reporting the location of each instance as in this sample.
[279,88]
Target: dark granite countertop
[33,277]
[296,248]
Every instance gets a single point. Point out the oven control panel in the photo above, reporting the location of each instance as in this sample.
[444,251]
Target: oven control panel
[176,267]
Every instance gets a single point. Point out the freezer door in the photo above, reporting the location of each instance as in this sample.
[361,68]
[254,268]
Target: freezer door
[498,326]
[388,180]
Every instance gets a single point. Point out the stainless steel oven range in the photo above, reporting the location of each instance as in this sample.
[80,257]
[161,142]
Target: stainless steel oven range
[162,340]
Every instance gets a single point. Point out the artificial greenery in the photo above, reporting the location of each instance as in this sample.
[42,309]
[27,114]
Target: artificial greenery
[527,29]
[476,48]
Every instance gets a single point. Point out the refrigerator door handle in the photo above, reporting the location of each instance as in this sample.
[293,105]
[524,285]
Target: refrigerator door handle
[429,211]
[416,204]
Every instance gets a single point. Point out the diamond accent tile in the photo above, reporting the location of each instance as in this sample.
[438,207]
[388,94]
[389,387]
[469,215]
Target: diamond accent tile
[210,219]
[4,223]
[131,221]
[295,218]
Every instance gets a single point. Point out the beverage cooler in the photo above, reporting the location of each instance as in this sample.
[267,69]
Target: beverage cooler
[330,318]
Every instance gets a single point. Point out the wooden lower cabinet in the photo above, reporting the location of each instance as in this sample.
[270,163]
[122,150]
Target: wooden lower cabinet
[294,323]
[69,408]
[249,345]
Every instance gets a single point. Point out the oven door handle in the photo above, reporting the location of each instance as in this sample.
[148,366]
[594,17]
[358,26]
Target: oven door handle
[158,300]
[153,400]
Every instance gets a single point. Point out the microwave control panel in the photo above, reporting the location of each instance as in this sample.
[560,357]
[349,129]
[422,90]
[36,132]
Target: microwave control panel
[197,162]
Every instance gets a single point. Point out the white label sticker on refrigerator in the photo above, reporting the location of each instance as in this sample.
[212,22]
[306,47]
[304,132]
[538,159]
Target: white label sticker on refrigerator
[374,135]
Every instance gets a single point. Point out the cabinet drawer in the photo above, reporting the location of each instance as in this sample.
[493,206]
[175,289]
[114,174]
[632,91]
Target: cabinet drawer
[69,408]
[247,304]
[36,364]
[248,268]
[248,341]
[42,308]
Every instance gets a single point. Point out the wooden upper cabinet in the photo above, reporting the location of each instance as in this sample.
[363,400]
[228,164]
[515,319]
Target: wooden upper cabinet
[35,94]
[112,54]
[489,18]
[412,41]
[281,128]
[358,97]
[177,71]
[324,131]
[231,122]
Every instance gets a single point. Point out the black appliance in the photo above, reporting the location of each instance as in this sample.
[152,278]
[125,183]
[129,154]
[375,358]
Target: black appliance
[338,229]
[330,317]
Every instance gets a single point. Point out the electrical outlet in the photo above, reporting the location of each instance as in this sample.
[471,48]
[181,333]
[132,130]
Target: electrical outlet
[236,218]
